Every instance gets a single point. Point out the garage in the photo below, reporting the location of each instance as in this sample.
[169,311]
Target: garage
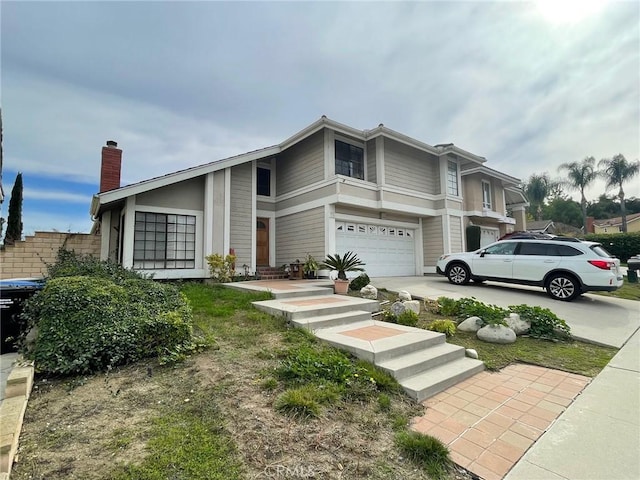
[387,250]
[488,235]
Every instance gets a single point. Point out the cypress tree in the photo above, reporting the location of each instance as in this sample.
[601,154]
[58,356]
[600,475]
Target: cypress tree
[14,220]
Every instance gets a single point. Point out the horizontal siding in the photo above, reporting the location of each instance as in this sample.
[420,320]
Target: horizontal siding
[455,226]
[187,195]
[432,240]
[241,221]
[301,165]
[300,234]
[371,161]
[410,168]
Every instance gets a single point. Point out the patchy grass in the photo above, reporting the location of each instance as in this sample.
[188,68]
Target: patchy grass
[215,415]
[628,291]
[575,357]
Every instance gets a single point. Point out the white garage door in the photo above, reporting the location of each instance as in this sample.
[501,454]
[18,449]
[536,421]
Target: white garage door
[488,235]
[387,251]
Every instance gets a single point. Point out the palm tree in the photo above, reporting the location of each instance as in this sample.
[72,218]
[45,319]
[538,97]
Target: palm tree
[616,171]
[537,189]
[579,176]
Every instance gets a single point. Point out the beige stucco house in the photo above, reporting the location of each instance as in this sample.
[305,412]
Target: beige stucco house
[397,202]
[614,225]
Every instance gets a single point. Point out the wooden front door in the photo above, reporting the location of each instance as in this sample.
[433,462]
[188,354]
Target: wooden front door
[262,241]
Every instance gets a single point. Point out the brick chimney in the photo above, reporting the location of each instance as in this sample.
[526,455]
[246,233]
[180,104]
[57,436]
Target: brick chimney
[111,165]
[590,228]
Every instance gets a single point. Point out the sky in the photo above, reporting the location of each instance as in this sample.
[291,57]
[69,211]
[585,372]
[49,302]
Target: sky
[527,85]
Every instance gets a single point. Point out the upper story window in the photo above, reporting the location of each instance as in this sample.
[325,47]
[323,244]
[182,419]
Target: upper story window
[349,160]
[164,241]
[486,195]
[263,181]
[452,179]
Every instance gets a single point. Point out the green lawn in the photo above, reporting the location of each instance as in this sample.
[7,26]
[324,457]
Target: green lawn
[629,291]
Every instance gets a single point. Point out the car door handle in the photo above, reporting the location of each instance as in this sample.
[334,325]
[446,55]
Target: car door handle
[549,261]
[507,260]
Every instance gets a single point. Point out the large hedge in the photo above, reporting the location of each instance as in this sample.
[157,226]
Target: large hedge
[87,324]
[621,245]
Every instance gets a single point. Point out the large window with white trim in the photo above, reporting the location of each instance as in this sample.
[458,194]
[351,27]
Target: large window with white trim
[486,195]
[452,179]
[349,160]
[164,241]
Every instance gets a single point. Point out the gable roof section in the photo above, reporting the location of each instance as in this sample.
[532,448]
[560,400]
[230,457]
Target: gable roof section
[324,122]
[617,221]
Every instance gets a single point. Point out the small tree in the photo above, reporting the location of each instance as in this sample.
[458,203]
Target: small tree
[14,221]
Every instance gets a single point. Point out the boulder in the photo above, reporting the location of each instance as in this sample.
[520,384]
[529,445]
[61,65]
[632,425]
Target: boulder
[518,325]
[370,292]
[471,324]
[404,296]
[471,353]
[413,305]
[398,308]
[497,334]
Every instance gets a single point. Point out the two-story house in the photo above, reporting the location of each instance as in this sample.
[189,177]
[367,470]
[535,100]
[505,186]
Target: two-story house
[397,202]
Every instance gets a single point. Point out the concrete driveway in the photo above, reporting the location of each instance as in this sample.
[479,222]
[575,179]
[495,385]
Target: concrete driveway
[593,318]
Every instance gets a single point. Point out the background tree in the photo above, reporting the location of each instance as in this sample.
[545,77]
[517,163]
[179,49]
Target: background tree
[564,210]
[537,188]
[579,176]
[14,219]
[616,171]
[605,207]
[1,188]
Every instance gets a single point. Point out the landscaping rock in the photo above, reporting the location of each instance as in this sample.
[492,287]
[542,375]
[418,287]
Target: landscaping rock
[471,353]
[471,324]
[413,305]
[369,292]
[497,334]
[398,308]
[518,325]
[404,296]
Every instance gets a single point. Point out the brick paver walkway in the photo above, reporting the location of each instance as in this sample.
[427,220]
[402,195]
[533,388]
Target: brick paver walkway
[490,420]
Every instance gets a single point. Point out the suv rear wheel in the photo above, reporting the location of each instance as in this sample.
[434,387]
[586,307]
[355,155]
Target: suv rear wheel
[562,286]
[458,274]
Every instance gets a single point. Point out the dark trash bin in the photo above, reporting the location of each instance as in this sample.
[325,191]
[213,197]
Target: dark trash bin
[13,293]
[633,265]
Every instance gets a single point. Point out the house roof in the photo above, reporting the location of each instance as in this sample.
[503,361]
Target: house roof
[188,173]
[617,221]
[539,225]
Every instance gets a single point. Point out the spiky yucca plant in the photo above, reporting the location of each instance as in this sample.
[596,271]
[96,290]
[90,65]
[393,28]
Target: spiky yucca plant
[349,262]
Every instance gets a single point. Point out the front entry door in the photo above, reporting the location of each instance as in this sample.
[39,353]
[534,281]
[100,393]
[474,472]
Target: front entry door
[262,241]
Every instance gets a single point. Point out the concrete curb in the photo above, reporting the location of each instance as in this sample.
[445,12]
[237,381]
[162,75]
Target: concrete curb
[12,411]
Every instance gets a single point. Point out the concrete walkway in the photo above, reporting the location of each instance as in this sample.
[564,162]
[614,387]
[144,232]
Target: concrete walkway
[597,436]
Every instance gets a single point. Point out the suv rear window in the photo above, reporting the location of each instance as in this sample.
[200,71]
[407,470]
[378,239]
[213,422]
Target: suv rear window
[601,252]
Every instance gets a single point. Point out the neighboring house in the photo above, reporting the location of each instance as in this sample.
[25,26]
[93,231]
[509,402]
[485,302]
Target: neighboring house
[614,225]
[541,226]
[395,201]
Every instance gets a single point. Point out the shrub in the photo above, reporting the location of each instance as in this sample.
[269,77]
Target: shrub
[409,318]
[448,327]
[308,364]
[222,269]
[359,282]
[490,314]
[426,451]
[447,307]
[621,245]
[389,316]
[544,323]
[71,264]
[88,324]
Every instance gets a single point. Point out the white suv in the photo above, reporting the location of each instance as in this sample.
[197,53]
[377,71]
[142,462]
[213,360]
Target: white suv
[565,269]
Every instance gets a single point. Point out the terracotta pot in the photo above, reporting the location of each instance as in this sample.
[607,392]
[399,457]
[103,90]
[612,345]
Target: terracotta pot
[341,287]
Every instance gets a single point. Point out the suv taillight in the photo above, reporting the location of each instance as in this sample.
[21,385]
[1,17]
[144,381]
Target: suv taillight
[602,264]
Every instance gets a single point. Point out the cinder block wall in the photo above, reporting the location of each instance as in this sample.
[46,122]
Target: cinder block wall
[28,258]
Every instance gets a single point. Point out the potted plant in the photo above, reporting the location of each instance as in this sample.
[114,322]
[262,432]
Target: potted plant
[310,267]
[349,262]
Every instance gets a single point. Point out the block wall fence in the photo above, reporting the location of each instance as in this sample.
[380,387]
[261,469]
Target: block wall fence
[29,258]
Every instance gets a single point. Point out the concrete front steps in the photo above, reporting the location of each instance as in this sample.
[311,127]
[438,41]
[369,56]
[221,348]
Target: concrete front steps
[421,360]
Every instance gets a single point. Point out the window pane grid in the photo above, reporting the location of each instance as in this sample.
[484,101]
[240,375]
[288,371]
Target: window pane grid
[452,179]
[349,160]
[164,241]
